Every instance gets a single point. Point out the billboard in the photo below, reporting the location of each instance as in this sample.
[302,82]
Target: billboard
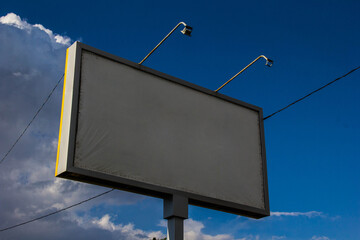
[126,126]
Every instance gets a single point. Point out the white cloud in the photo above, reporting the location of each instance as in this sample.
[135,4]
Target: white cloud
[14,20]
[193,230]
[59,39]
[309,214]
[162,223]
[17,74]
[127,231]
[250,237]
[320,238]
[41,27]
[277,237]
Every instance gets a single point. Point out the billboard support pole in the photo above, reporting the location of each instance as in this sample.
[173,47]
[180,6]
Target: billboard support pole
[175,211]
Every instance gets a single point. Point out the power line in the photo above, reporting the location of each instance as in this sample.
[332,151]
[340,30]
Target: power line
[55,212]
[307,95]
[38,111]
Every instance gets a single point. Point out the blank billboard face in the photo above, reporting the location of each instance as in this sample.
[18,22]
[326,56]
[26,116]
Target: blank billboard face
[130,127]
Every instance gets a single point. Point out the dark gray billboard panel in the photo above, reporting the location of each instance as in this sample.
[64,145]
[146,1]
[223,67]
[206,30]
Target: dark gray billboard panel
[130,127]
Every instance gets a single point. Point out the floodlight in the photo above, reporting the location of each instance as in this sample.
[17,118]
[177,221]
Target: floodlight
[186,31]
[268,63]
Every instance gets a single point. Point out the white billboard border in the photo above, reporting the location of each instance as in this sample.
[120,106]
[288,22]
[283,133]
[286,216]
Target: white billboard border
[69,171]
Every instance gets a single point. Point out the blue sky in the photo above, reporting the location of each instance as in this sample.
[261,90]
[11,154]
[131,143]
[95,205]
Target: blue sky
[312,148]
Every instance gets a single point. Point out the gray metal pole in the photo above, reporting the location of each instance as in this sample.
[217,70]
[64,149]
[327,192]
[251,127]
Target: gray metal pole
[175,211]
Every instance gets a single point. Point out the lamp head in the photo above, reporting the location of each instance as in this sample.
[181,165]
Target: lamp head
[269,62]
[187,30]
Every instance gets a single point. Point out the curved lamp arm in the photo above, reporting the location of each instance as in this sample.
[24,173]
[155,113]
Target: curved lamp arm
[186,31]
[268,63]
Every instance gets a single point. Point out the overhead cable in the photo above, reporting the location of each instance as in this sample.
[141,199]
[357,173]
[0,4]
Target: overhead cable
[55,212]
[309,94]
[31,121]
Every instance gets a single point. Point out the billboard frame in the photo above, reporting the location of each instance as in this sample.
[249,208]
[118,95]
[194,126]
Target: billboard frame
[69,171]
